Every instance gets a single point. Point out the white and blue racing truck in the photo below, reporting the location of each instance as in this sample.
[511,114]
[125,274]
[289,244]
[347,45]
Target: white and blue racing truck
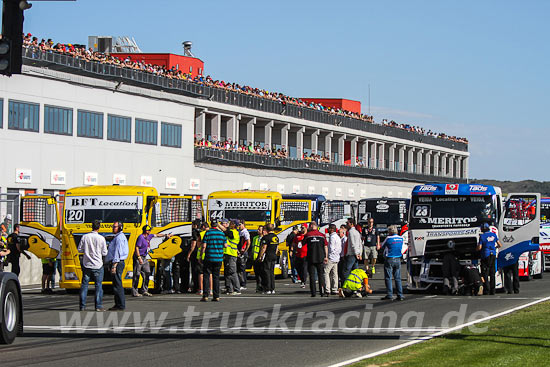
[448,217]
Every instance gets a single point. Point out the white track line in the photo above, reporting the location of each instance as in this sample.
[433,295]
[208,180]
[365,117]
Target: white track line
[443,332]
[176,329]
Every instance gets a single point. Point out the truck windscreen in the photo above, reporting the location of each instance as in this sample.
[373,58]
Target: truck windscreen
[107,209]
[450,211]
[383,211]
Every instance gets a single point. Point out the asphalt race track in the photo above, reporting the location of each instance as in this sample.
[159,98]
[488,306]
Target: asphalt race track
[288,328]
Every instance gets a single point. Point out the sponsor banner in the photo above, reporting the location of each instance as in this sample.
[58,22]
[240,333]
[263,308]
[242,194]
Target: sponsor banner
[296,189]
[58,177]
[171,183]
[23,175]
[119,179]
[239,204]
[103,202]
[146,181]
[351,193]
[452,233]
[363,193]
[451,189]
[90,178]
[325,191]
[194,184]
[338,192]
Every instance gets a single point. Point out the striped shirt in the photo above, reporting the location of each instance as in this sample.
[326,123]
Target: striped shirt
[215,241]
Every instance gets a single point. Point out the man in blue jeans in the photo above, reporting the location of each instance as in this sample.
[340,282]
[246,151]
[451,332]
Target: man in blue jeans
[93,247]
[392,247]
[118,253]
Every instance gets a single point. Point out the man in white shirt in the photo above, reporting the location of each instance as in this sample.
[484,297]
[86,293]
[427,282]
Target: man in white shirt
[93,247]
[331,267]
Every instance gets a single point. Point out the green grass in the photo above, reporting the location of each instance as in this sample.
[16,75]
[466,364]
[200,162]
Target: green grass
[518,339]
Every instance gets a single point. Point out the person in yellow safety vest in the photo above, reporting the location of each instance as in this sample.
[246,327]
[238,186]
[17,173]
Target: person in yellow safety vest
[230,255]
[47,273]
[356,285]
[4,252]
[257,262]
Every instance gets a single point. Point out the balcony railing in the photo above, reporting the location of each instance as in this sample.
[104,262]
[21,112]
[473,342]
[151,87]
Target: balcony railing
[218,156]
[66,63]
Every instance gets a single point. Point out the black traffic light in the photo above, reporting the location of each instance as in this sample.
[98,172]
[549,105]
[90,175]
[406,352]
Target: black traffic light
[11,44]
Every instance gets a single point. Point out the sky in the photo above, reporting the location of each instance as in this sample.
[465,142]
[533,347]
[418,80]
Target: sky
[473,68]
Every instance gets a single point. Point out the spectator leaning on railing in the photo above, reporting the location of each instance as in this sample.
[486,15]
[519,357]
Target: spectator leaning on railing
[80,52]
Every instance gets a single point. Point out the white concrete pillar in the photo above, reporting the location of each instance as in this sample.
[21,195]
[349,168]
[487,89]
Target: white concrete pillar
[444,164]
[354,151]
[452,166]
[373,156]
[315,141]
[365,153]
[437,156]
[459,167]
[200,126]
[391,157]
[250,131]
[268,128]
[216,126]
[419,166]
[284,137]
[328,145]
[341,144]
[300,142]
[231,131]
[381,156]
[410,166]
[465,163]
[428,163]
[401,159]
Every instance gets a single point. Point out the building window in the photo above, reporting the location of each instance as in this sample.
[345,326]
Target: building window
[1,113]
[170,135]
[146,132]
[23,116]
[119,128]
[58,120]
[90,124]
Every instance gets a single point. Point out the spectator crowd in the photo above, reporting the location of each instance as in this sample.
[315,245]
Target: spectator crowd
[81,52]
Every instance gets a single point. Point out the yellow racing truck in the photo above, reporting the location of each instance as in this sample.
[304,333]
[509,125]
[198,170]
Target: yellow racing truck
[259,208]
[134,206]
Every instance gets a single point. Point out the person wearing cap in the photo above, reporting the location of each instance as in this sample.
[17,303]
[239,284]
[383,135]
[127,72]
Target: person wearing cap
[213,245]
[191,257]
[15,247]
[141,265]
[230,256]
[268,256]
[488,243]
[258,272]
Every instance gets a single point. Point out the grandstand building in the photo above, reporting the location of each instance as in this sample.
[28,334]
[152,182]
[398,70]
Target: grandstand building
[68,122]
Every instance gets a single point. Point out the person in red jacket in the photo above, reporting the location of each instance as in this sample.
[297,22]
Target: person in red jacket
[300,249]
[317,255]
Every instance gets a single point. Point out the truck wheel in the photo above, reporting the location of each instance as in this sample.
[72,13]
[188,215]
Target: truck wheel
[10,314]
